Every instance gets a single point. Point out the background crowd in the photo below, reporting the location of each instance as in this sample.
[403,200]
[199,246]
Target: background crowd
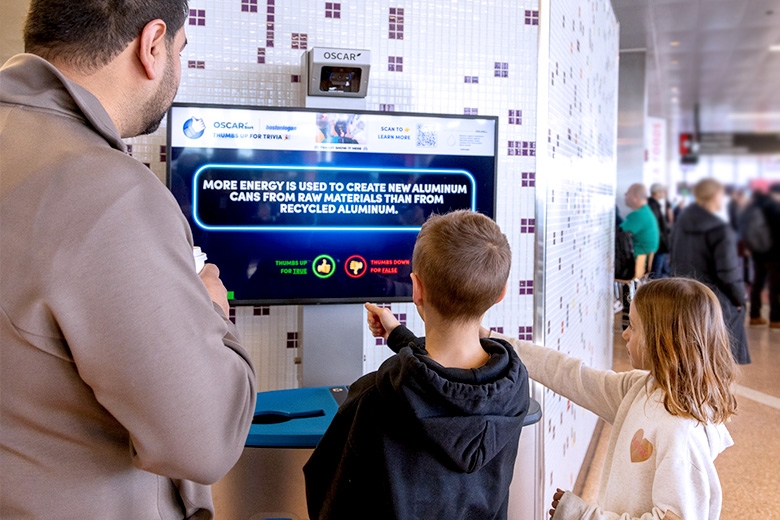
[726,237]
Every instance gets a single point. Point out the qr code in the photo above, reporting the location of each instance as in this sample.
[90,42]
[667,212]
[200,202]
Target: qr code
[427,136]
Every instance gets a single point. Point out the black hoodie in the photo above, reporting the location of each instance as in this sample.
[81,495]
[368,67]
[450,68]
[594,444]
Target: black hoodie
[416,440]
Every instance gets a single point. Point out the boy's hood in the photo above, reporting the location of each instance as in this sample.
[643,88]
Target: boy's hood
[468,415]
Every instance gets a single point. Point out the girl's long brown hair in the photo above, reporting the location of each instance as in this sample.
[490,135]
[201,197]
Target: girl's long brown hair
[688,348]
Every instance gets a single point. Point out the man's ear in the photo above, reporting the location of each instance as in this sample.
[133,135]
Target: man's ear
[503,294]
[418,291]
[152,53]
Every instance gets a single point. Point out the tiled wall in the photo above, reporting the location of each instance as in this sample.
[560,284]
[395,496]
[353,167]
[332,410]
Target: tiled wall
[578,194]
[464,57]
[437,56]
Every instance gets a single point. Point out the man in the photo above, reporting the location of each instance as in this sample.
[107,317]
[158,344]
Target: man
[124,391]
[641,222]
[659,206]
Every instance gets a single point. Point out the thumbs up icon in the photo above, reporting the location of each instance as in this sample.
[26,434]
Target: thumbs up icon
[324,267]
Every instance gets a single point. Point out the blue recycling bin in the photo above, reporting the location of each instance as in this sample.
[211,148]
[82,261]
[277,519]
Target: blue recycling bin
[267,481]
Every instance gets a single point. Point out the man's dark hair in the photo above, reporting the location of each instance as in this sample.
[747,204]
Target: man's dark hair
[88,34]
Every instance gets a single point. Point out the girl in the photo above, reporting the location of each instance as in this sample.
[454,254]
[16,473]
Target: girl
[667,416]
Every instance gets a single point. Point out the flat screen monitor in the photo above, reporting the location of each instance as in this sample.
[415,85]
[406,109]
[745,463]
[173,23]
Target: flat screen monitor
[299,206]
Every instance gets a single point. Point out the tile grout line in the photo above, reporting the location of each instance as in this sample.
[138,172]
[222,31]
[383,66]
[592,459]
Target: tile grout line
[759,397]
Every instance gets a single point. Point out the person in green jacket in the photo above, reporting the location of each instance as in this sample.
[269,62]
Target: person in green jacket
[641,222]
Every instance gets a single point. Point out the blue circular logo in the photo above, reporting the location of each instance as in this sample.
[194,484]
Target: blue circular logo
[194,127]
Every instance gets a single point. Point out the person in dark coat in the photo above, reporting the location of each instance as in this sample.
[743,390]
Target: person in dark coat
[759,202]
[767,264]
[659,205]
[704,247]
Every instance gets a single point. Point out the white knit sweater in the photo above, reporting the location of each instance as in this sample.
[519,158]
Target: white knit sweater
[658,466]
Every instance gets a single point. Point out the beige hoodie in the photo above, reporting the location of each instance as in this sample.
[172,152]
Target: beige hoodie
[123,390]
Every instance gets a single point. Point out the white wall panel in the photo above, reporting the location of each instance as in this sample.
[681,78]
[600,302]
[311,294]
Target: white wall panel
[577,173]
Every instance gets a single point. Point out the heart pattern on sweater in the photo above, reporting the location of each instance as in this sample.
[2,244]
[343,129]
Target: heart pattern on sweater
[641,448]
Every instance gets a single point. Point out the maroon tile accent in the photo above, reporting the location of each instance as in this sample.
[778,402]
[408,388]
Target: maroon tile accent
[470,111]
[527,225]
[395,63]
[292,340]
[260,55]
[396,27]
[270,20]
[163,153]
[471,79]
[300,40]
[386,108]
[526,287]
[526,333]
[196,64]
[531,17]
[515,117]
[261,310]
[332,10]
[198,17]
[248,6]
[295,78]
[501,69]
[130,149]
[528,179]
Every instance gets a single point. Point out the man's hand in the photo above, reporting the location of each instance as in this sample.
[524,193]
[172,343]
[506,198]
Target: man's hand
[210,278]
[556,499]
[381,321]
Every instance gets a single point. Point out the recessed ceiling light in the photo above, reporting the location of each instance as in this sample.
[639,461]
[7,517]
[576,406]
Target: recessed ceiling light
[675,62]
[674,89]
[674,44]
[674,100]
[774,48]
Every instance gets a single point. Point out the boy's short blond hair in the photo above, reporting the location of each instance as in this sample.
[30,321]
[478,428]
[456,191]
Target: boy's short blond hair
[463,260]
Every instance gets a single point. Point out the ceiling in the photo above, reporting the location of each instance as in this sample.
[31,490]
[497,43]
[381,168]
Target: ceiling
[711,52]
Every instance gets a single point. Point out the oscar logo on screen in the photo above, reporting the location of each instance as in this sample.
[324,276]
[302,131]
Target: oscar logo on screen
[355,266]
[324,266]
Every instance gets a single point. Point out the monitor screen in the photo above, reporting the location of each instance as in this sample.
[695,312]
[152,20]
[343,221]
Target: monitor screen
[306,206]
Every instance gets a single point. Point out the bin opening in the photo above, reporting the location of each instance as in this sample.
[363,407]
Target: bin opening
[276,417]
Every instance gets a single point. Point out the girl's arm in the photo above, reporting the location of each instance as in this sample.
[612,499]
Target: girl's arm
[680,491]
[599,391]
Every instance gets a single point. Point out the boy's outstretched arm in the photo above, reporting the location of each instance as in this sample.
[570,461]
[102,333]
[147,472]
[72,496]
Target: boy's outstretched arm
[381,320]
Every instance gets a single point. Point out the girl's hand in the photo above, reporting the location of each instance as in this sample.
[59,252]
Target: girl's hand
[556,499]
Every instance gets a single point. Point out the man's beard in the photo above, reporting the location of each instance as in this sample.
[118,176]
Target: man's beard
[155,109]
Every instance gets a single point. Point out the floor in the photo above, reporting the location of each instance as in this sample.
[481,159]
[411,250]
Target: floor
[750,469]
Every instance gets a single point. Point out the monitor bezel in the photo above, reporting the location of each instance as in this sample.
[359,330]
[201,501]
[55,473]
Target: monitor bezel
[335,110]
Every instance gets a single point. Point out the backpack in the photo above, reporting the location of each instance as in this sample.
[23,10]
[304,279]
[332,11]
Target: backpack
[625,264]
[754,229]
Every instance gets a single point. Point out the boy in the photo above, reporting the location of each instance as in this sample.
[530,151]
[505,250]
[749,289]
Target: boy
[434,432]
